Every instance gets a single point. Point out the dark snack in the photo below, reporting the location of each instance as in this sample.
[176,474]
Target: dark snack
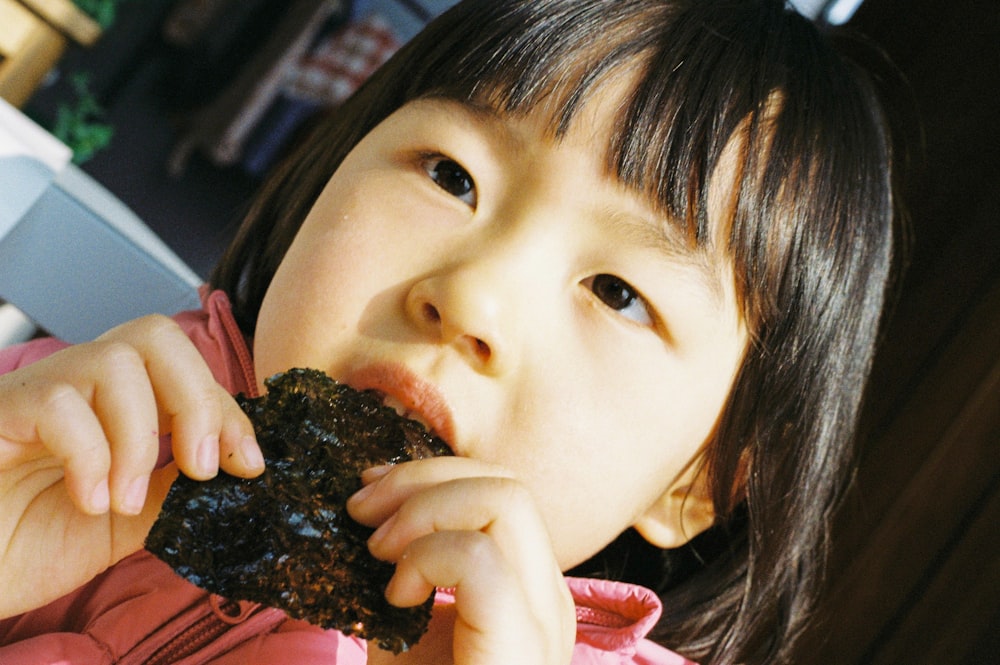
[284,539]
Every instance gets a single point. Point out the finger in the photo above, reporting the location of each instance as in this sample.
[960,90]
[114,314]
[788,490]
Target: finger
[388,487]
[415,499]
[70,430]
[208,427]
[188,396]
[241,454]
[490,599]
[466,560]
[501,508]
[498,507]
[187,393]
[124,402]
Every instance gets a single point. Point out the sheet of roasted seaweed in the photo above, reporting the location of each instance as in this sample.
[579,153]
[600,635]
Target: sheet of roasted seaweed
[284,539]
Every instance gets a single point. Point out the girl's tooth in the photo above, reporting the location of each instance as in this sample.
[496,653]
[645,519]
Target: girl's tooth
[400,409]
[395,404]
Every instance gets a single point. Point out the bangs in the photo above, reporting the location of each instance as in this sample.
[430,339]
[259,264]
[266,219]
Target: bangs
[806,175]
[696,89]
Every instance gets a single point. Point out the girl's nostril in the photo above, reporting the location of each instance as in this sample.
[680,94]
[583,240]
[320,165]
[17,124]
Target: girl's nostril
[431,313]
[483,349]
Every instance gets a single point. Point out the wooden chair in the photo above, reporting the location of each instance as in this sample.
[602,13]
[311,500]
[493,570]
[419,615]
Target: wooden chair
[33,36]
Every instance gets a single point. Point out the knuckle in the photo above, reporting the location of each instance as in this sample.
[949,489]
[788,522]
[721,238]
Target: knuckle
[158,328]
[419,513]
[204,397]
[116,355]
[149,327]
[512,493]
[57,397]
[478,549]
[153,325]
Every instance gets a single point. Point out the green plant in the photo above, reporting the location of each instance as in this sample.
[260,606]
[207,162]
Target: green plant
[103,11]
[80,124]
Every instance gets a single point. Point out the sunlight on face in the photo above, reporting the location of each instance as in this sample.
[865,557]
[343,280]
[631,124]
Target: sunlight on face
[499,286]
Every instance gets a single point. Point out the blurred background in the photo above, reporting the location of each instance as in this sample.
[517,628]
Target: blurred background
[180,107]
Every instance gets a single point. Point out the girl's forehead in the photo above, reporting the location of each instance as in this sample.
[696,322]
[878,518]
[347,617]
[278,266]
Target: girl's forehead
[590,116]
[582,100]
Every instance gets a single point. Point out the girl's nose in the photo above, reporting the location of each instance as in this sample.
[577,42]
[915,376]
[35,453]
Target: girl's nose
[458,309]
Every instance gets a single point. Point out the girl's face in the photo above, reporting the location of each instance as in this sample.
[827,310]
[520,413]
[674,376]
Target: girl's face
[502,288]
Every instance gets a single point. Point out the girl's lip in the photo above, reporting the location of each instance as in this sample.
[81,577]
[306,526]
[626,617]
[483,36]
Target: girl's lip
[417,397]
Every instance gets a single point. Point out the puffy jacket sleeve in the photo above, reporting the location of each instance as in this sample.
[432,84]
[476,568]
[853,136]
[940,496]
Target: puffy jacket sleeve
[613,619]
[19,355]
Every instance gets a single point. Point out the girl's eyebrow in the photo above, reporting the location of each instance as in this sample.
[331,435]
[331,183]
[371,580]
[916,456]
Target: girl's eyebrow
[483,116]
[664,238]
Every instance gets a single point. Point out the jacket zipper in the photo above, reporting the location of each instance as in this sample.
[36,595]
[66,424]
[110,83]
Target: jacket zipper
[601,618]
[195,637]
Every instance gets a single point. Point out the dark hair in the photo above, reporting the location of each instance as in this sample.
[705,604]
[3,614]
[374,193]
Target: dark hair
[809,235]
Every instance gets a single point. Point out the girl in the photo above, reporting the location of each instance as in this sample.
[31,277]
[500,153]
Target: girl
[626,257]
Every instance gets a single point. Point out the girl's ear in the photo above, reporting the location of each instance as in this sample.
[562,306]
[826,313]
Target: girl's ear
[682,512]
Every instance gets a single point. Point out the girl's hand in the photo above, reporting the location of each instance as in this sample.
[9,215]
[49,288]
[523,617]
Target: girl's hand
[454,522]
[79,439]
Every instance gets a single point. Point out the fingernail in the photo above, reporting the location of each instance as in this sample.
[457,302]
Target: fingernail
[374,473]
[135,496]
[100,498]
[252,457]
[362,493]
[208,456]
[380,534]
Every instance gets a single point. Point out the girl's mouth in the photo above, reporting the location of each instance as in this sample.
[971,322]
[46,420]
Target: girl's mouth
[409,395]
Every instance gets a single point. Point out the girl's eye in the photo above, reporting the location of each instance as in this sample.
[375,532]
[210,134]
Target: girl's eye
[621,297]
[452,178]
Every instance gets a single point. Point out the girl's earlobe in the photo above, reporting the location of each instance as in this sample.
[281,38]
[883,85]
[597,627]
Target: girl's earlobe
[682,512]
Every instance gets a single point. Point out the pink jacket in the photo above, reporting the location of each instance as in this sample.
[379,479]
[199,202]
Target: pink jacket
[139,612]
